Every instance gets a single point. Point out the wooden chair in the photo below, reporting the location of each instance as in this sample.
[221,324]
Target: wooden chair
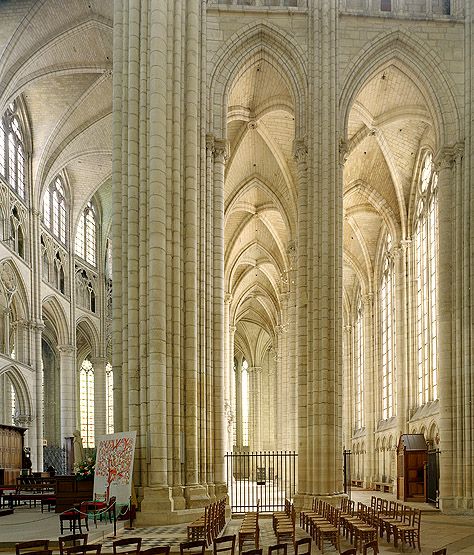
[197,547]
[224,544]
[330,531]
[131,545]
[285,527]
[408,532]
[32,545]
[250,529]
[197,528]
[158,550]
[71,541]
[351,551]
[84,549]
[258,551]
[440,551]
[303,546]
[74,517]
[278,549]
[371,545]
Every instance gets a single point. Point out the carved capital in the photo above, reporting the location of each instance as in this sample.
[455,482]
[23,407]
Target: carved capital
[228,298]
[281,329]
[368,299]
[343,152]
[448,156]
[221,148]
[232,329]
[67,349]
[210,142]
[300,150]
[23,420]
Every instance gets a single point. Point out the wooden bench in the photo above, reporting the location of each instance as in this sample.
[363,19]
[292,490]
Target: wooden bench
[383,486]
[32,489]
[358,483]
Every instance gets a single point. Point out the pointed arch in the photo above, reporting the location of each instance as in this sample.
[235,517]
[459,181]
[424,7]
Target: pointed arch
[22,390]
[53,310]
[410,56]
[87,327]
[279,49]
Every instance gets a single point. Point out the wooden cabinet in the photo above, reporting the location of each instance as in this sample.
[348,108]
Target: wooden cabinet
[11,453]
[70,491]
[411,467]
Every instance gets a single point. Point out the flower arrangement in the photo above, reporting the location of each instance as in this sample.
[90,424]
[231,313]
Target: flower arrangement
[84,470]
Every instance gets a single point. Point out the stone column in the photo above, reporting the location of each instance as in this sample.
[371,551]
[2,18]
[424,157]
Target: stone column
[255,412]
[100,406]
[233,389]
[403,331]
[280,397]
[370,381]
[347,388]
[320,270]
[454,346]
[218,445]
[284,402]
[67,372]
[238,402]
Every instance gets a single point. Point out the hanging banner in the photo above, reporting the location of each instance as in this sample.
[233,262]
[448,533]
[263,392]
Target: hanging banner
[114,466]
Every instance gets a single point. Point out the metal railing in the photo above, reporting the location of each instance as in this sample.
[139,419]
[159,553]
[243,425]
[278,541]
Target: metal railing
[268,476]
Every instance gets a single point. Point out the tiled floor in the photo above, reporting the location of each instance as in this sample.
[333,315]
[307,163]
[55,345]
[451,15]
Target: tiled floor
[438,530]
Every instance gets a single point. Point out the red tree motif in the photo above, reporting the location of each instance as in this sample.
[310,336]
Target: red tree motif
[114,461]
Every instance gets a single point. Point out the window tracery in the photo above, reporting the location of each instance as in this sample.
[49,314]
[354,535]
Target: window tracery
[359,366]
[12,151]
[426,261]
[86,403]
[54,261]
[86,236]
[86,283]
[387,321]
[54,210]
[109,398]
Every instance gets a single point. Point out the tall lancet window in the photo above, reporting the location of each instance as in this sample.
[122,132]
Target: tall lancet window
[109,398]
[359,367]
[12,150]
[86,403]
[85,244]
[426,267]
[245,402]
[387,323]
[54,209]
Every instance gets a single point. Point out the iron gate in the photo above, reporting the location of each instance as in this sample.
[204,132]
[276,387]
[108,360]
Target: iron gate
[54,456]
[268,476]
[432,477]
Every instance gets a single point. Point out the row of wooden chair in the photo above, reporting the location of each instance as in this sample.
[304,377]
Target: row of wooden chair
[398,521]
[359,526]
[250,529]
[209,524]
[322,523]
[284,523]
[76,544]
[78,516]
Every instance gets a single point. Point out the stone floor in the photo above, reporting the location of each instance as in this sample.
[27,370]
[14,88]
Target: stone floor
[438,530]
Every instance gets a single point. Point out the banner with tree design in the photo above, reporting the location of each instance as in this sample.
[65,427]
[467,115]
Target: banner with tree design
[114,466]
